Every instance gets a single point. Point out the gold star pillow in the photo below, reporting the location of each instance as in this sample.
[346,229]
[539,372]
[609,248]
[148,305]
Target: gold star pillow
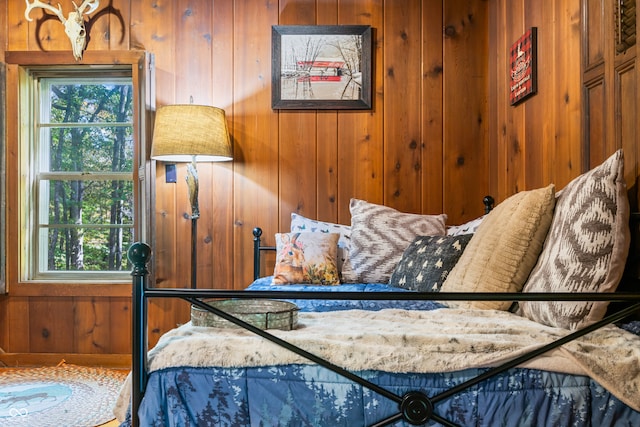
[427,261]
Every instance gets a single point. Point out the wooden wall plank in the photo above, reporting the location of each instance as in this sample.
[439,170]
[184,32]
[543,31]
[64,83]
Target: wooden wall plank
[360,152]
[256,131]
[120,326]
[194,21]
[298,146]
[222,235]
[50,323]
[565,143]
[594,19]
[515,178]
[18,325]
[627,126]
[595,94]
[497,91]
[297,165]
[432,115]
[402,149]
[118,13]
[538,109]
[327,137]
[466,66]
[91,325]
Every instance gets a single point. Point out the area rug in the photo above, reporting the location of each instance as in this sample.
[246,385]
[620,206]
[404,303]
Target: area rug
[66,395]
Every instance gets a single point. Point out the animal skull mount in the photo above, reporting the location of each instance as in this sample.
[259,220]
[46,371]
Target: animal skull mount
[73,24]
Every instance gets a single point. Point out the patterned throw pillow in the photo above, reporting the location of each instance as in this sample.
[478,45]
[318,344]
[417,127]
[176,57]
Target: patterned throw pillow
[379,236]
[467,228]
[427,261]
[586,249]
[301,224]
[505,248]
[306,258]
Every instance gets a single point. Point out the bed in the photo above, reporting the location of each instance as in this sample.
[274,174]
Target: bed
[553,339]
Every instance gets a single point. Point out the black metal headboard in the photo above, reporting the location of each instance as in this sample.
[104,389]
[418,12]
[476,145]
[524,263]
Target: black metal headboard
[257,251]
[488,202]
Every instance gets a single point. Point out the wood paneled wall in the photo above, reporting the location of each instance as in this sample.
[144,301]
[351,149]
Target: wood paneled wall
[538,141]
[441,133]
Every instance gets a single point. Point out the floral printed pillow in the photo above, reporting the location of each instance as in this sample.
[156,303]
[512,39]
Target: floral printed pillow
[306,258]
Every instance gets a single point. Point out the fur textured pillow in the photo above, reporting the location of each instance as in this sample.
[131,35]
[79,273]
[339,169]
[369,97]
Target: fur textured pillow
[300,223]
[426,263]
[379,236]
[306,258]
[586,249]
[505,248]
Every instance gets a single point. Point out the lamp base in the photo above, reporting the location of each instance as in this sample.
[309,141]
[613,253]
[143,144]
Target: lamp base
[192,183]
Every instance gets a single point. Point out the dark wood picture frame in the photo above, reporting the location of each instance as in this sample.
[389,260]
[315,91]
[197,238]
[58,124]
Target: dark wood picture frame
[322,67]
[523,67]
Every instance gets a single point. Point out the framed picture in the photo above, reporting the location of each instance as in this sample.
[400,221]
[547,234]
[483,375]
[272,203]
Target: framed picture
[321,67]
[523,72]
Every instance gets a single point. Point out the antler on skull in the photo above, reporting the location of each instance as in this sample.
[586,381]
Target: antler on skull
[73,25]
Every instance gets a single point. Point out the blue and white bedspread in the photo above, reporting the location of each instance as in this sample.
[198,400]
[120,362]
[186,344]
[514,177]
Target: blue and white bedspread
[229,377]
[264,284]
[307,395]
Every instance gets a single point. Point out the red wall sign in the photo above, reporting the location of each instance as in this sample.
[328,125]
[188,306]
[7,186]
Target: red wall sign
[523,76]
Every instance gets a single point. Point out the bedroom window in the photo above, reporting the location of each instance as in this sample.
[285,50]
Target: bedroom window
[82,174]
[78,188]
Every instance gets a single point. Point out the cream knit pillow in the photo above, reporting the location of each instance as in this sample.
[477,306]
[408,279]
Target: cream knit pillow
[505,248]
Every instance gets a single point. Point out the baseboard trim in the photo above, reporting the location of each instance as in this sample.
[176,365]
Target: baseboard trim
[117,361]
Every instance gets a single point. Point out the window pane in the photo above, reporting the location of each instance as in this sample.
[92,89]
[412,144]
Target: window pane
[77,202]
[87,249]
[91,149]
[90,103]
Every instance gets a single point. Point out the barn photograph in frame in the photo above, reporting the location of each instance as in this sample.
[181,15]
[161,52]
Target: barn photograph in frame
[321,67]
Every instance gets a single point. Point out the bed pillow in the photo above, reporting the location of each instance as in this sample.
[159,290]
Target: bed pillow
[469,227]
[586,249]
[427,261]
[505,248]
[306,258]
[379,236]
[301,224]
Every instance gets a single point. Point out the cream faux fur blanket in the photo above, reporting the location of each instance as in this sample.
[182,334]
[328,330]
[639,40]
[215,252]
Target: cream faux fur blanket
[396,340]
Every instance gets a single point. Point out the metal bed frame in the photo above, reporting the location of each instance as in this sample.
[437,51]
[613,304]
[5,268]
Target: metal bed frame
[414,407]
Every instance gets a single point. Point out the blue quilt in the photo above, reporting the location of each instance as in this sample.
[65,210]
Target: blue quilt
[310,395]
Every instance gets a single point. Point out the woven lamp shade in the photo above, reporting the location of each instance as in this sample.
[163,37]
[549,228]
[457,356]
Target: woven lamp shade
[184,131]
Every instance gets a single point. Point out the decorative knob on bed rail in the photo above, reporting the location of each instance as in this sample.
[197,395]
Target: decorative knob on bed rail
[416,408]
[488,204]
[139,254]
